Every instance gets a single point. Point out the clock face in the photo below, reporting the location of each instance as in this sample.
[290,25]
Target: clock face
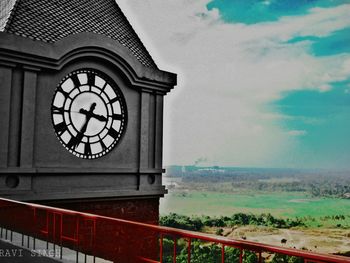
[88,113]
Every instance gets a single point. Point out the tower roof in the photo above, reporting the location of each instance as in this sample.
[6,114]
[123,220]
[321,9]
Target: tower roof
[52,20]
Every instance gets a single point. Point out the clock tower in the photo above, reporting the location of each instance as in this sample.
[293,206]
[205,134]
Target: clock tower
[81,104]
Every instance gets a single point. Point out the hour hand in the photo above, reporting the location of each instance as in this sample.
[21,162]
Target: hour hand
[83,111]
[90,114]
[99,117]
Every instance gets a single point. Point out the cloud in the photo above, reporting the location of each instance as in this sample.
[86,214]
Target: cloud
[257,11]
[297,133]
[228,73]
[325,88]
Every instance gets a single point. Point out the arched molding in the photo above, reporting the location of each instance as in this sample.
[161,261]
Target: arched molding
[54,56]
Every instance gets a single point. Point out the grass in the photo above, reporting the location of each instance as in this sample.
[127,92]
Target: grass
[282,204]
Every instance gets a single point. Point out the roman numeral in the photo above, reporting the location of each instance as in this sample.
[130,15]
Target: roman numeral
[112,132]
[113,100]
[117,117]
[60,128]
[76,81]
[87,149]
[65,94]
[57,110]
[104,147]
[75,141]
[104,86]
[91,79]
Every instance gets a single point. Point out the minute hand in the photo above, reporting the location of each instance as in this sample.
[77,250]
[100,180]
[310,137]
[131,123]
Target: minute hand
[93,115]
[99,117]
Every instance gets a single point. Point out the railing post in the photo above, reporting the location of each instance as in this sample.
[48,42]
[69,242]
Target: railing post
[61,229]
[189,251]
[35,225]
[94,239]
[260,257]
[241,256]
[61,237]
[174,254]
[77,231]
[77,228]
[54,233]
[223,253]
[161,249]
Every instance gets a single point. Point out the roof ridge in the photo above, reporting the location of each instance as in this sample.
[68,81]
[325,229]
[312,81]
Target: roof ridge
[52,20]
[137,36]
[9,15]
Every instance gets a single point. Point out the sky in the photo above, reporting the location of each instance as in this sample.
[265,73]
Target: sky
[261,83]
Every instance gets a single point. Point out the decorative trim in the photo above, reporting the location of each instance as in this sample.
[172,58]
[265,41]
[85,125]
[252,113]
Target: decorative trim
[28,117]
[27,195]
[31,68]
[77,171]
[37,54]
[7,64]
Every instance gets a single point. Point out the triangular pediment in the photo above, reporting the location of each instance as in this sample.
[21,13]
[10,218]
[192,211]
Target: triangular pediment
[52,20]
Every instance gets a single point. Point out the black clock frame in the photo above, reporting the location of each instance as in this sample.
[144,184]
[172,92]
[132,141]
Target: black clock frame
[63,127]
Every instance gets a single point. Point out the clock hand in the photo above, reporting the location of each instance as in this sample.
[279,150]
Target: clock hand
[82,111]
[84,127]
[88,115]
[99,117]
[92,107]
[61,110]
[91,114]
[75,141]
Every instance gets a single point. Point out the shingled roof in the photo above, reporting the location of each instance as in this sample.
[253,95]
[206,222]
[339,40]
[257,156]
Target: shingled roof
[52,20]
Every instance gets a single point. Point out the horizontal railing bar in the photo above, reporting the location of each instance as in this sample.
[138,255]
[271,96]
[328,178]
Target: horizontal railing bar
[69,238]
[148,260]
[179,233]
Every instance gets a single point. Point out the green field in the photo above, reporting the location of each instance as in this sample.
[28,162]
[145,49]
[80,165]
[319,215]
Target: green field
[282,204]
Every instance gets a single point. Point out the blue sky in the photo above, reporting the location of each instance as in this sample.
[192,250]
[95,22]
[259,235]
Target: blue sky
[257,11]
[322,118]
[262,83]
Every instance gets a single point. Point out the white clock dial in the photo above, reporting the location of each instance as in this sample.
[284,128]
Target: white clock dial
[89,113]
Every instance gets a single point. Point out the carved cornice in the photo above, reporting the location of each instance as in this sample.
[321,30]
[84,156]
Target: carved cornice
[46,56]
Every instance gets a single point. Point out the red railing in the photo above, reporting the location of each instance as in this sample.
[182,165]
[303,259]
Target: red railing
[127,241]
